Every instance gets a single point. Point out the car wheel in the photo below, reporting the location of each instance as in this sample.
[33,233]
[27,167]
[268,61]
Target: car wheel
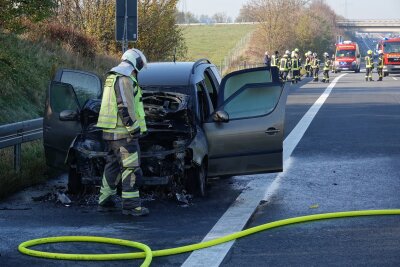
[74,181]
[197,181]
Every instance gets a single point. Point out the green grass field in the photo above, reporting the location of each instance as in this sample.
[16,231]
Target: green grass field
[213,41]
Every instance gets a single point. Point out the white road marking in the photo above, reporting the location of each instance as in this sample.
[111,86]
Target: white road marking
[238,214]
[394,78]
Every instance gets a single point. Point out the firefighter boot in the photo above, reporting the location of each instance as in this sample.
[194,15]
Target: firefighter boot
[137,212]
[108,205]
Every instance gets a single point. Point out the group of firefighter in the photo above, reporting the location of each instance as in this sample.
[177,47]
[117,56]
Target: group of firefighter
[290,64]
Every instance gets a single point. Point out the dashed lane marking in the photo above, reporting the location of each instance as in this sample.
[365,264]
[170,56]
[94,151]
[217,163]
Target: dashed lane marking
[238,214]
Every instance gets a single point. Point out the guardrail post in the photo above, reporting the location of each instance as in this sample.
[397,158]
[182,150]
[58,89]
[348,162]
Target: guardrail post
[17,157]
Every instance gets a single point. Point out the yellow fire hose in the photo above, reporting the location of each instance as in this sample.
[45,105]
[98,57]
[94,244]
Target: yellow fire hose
[148,254]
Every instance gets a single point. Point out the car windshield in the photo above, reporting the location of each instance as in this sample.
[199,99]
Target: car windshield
[392,47]
[345,53]
[176,89]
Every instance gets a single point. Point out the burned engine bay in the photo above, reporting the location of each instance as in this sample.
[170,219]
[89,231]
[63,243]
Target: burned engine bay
[166,152]
[171,127]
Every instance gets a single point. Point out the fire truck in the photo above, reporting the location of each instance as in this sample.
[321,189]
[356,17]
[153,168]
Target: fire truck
[391,55]
[347,57]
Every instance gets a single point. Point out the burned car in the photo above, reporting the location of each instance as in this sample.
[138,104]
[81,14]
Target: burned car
[199,126]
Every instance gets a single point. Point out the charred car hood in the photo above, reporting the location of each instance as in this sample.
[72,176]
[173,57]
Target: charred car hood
[167,111]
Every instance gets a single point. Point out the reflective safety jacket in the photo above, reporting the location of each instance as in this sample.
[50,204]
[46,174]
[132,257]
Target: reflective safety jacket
[380,62]
[315,63]
[369,62]
[308,61]
[284,64]
[295,64]
[274,60]
[121,113]
[327,64]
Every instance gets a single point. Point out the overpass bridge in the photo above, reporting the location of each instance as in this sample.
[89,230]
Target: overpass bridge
[370,25]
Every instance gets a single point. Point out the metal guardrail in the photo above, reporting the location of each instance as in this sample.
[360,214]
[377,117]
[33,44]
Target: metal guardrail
[15,134]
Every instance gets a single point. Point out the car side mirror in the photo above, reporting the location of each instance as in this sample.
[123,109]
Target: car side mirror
[68,115]
[220,116]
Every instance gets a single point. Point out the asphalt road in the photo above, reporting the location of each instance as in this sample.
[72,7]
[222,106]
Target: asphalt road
[348,159]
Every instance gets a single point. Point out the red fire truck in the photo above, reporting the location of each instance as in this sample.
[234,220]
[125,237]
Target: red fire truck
[347,57]
[391,55]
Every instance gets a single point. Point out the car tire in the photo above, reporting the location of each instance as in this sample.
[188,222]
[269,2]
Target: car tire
[74,181]
[197,181]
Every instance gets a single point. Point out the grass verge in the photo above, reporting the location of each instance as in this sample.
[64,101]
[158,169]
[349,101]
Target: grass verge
[33,168]
[26,66]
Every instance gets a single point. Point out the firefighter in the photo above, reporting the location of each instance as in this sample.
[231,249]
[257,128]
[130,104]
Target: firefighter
[267,59]
[369,66]
[307,63]
[327,67]
[380,65]
[315,66]
[123,121]
[295,66]
[275,59]
[284,66]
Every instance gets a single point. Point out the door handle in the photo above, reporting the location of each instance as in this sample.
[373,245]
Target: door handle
[272,131]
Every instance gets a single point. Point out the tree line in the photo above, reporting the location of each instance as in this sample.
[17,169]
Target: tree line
[188,18]
[288,24]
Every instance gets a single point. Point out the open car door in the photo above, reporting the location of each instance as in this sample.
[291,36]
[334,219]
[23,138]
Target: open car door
[245,134]
[69,90]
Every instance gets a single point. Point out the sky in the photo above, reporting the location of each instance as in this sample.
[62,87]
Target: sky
[356,9]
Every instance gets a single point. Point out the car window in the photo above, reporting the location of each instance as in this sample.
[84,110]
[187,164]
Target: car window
[253,101]
[204,110]
[211,88]
[86,86]
[236,82]
[216,73]
[346,53]
[62,97]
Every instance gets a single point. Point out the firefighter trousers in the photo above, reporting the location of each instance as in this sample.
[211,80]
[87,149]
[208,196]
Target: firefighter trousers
[122,163]
[326,76]
[368,74]
[380,73]
[315,73]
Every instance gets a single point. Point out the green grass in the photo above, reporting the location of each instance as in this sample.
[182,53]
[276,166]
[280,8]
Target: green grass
[213,41]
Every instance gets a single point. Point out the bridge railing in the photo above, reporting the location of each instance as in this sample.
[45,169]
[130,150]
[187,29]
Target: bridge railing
[15,134]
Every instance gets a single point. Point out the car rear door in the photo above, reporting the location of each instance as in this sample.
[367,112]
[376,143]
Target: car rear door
[252,140]
[68,91]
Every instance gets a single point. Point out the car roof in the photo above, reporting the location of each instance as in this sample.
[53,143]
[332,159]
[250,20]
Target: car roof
[168,73]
